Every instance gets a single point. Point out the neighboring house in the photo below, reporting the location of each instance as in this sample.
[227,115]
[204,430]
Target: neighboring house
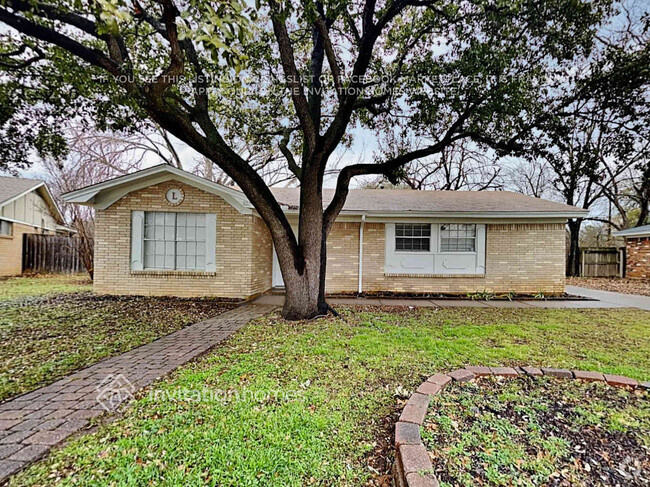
[164,231]
[26,206]
[637,250]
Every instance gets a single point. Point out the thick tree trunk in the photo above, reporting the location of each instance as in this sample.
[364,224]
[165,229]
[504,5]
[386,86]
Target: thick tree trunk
[303,274]
[573,262]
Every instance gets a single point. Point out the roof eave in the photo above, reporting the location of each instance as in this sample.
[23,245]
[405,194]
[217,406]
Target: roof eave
[462,214]
[103,195]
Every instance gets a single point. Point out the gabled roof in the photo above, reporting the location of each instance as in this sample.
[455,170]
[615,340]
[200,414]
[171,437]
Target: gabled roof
[13,188]
[439,203]
[103,195]
[643,231]
[373,202]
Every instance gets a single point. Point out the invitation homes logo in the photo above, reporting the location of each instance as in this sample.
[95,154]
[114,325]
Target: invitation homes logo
[116,389]
[113,391]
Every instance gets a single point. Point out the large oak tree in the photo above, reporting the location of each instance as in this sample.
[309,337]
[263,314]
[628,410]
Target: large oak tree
[299,74]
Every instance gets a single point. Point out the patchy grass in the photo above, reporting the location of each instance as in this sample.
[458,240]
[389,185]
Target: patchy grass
[42,285]
[313,403]
[613,284]
[45,338]
[543,431]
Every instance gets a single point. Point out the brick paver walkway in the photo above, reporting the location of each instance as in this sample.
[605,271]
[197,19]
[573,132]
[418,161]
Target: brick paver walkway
[33,423]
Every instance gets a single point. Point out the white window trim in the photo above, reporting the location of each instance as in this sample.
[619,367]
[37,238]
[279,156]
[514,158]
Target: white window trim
[137,245]
[390,251]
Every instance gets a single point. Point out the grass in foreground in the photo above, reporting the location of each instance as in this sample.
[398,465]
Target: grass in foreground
[42,285]
[527,432]
[45,339]
[313,403]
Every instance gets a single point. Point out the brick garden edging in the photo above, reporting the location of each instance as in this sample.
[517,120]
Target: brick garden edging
[412,466]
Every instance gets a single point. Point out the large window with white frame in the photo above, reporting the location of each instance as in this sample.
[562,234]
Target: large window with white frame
[458,237]
[174,241]
[412,237]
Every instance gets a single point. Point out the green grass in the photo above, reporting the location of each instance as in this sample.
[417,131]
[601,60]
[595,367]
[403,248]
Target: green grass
[45,333]
[527,432]
[22,287]
[345,377]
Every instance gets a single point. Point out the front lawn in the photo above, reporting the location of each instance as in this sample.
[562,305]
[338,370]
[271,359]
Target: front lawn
[43,285]
[45,336]
[314,403]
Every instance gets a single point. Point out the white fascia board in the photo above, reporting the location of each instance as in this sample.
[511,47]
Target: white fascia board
[104,194]
[48,198]
[10,200]
[631,235]
[481,215]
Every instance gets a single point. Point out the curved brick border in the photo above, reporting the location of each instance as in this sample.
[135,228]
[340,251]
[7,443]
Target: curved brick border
[412,466]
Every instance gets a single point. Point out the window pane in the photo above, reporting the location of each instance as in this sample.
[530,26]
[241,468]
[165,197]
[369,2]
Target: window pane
[458,237]
[174,240]
[414,237]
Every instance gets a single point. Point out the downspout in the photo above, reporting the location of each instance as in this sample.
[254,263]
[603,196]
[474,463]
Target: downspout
[363,221]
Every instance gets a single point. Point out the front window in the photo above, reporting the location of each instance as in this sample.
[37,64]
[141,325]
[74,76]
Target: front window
[174,241]
[458,237]
[412,237]
[6,228]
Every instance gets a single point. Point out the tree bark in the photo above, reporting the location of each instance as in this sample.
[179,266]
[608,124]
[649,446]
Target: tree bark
[573,262]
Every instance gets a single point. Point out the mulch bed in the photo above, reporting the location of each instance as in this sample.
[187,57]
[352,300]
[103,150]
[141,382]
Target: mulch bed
[616,285]
[539,431]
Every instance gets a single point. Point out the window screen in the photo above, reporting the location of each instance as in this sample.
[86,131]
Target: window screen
[174,241]
[5,228]
[412,237]
[458,237]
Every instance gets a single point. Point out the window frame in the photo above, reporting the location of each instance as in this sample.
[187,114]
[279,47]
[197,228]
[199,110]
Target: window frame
[176,241]
[11,229]
[448,252]
[413,237]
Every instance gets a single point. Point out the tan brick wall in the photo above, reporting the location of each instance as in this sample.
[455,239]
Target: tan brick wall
[11,250]
[241,244]
[638,258]
[262,257]
[525,258]
[343,258]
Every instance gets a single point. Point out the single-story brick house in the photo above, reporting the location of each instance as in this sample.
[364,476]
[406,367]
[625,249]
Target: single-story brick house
[637,251]
[26,206]
[164,231]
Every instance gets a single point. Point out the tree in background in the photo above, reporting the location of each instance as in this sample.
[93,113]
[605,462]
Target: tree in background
[460,166]
[299,75]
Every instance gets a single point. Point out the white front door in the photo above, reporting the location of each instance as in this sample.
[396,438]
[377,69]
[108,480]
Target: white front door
[276,276]
[276,279]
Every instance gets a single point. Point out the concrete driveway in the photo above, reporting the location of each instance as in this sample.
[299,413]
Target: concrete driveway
[619,299]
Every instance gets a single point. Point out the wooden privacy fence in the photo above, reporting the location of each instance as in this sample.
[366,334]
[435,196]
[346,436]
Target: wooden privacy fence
[51,253]
[602,262]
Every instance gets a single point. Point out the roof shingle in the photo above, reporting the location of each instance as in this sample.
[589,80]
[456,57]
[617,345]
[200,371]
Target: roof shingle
[12,187]
[407,200]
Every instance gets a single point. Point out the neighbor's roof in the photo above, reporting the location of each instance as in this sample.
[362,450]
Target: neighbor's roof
[643,231]
[13,188]
[375,202]
[386,201]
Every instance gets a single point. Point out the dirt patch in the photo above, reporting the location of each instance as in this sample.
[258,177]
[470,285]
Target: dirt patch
[616,284]
[541,431]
